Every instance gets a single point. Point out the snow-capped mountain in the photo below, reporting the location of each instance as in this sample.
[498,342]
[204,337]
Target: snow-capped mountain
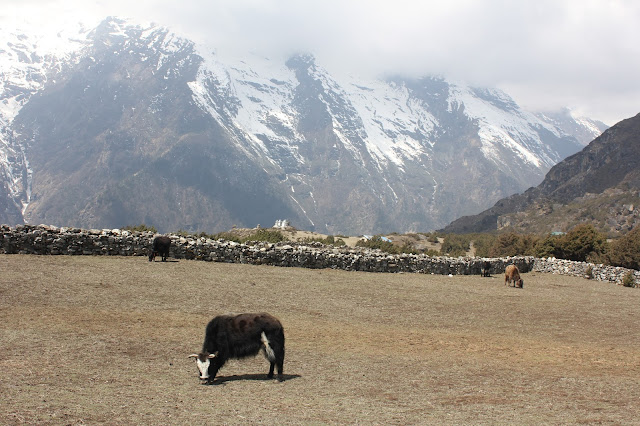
[126,124]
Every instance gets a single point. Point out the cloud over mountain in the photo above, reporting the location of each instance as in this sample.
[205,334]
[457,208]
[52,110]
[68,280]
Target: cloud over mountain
[131,123]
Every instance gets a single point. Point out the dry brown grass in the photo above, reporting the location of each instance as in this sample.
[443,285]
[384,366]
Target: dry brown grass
[105,340]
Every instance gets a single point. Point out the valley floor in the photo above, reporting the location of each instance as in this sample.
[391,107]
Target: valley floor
[105,340]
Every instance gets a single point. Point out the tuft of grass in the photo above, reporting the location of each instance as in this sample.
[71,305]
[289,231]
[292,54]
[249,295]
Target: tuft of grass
[140,228]
[629,280]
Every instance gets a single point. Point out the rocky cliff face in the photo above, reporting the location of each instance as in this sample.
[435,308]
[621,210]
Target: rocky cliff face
[134,124]
[599,185]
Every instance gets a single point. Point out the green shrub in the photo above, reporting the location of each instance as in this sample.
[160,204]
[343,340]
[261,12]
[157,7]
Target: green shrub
[455,245]
[625,251]
[228,236]
[408,248]
[550,246]
[329,240]
[339,242]
[264,235]
[140,228]
[482,244]
[433,238]
[629,280]
[512,244]
[376,242]
[581,242]
[184,233]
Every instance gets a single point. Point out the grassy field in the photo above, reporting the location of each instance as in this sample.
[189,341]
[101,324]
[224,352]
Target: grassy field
[89,340]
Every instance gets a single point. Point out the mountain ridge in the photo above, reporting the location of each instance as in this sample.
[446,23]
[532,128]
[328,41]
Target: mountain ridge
[143,126]
[605,174]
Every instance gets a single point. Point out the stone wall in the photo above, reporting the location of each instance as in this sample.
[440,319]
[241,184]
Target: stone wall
[593,271]
[49,240]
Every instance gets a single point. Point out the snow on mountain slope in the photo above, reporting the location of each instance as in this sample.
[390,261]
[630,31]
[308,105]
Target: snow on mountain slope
[570,122]
[29,57]
[253,92]
[395,126]
[398,146]
[502,123]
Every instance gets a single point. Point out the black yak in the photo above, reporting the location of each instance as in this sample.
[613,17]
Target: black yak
[161,246]
[485,268]
[236,336]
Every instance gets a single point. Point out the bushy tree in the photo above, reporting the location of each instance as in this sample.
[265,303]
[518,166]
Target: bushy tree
[625,251]
[550,246]
[483,243]
[512,244]
[455,245]
[628,280]
[582,242]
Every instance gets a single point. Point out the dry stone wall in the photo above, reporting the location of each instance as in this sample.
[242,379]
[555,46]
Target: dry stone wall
[593,271]
[50,240]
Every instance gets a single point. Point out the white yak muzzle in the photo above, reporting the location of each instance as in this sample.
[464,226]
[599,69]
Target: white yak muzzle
[203,360]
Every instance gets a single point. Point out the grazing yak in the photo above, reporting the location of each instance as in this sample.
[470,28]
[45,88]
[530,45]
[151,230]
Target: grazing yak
[512,274]
[236,336]
[485,268]
[161,246]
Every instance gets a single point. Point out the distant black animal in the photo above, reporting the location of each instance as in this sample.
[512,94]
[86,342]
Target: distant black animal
[161,246]
[485,269]
[236,336]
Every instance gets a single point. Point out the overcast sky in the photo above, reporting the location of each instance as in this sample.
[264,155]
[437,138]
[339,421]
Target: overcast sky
[583,54]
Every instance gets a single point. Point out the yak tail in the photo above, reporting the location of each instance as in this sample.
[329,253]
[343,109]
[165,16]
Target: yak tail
[268,351]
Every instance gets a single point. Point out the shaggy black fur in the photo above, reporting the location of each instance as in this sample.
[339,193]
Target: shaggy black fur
[239,336]
[161,246]
[486,269]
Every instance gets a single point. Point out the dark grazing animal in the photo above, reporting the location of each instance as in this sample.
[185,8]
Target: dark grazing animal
[485,268]
[512,275]
[160,247]
[237,336]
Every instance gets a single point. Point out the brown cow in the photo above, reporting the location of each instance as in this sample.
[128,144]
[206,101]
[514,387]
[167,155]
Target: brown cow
[512,274]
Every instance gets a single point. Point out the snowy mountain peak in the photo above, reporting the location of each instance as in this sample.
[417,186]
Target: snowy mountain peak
[336,153]
[29,57]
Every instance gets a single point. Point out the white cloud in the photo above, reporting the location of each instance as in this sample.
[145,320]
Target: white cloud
[545,53]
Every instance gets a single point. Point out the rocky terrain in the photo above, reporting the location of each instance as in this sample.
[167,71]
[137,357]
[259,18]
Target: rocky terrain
[598,185]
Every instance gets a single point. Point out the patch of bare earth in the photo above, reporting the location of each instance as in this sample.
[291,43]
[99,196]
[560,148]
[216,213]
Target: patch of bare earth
[106,339]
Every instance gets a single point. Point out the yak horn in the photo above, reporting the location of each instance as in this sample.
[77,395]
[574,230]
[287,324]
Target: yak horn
[193,356]
[212,356]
